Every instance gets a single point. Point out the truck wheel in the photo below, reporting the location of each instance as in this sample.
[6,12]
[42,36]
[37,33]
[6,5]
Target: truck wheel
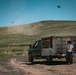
[67,60]
[30,57]
[49,59]
[71,59]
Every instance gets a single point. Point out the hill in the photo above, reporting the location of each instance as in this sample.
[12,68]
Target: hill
[17,37]
[42,28]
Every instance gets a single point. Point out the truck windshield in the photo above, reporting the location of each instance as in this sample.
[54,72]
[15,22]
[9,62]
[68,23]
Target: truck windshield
[36,44]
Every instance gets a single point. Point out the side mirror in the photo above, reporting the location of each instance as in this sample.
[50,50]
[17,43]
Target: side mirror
[30,46]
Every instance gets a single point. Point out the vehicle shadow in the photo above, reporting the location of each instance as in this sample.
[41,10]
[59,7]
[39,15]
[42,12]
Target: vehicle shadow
[47,63]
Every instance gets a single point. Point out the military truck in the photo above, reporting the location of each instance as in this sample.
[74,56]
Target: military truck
[50,47]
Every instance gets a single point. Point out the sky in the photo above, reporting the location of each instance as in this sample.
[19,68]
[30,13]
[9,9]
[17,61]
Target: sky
[17,12]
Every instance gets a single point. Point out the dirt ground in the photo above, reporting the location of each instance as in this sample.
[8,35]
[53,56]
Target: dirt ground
[19,65]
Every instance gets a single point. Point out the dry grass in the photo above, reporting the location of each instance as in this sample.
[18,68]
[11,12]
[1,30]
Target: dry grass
[17,37]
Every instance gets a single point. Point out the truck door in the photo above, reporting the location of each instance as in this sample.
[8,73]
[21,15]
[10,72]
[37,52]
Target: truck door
[36,51]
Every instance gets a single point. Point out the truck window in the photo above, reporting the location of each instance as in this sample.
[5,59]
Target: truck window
[47,42]
[37,44]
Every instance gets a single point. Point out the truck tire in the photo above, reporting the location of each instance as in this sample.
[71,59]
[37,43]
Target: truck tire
[49,59]
[30,57]
[66,59]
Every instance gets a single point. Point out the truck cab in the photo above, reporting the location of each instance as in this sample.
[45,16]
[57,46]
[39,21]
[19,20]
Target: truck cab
[34,51]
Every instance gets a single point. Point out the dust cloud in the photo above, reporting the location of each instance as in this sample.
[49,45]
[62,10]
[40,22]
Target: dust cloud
[23,29]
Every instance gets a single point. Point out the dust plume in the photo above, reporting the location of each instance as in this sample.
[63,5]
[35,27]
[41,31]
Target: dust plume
[23,29]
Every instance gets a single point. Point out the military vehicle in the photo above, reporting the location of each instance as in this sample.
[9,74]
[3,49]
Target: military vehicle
[50,47]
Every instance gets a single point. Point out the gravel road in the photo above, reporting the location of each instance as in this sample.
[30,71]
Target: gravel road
[19,65]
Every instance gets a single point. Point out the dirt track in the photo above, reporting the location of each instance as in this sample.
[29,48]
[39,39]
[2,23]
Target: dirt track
[20,66]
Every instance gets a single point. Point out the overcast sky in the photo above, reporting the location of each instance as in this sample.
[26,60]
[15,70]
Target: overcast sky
[16,12]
